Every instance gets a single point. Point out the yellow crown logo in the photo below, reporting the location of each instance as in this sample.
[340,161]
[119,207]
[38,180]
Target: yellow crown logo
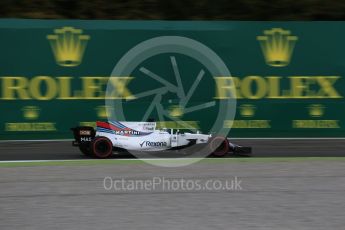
[316,110]
[175,111]
[68,45]
[31,112]
[277,45]
[247,110]
[102,111]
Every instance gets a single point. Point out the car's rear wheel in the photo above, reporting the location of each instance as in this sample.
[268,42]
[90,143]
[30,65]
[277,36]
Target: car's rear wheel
[219,146]
[85,149]
[102,147]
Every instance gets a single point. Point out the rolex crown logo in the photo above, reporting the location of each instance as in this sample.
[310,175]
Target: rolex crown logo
[316,110]
[31,112]
[102,111]
[68,45]
[176,111]
[277,46]
[247,110]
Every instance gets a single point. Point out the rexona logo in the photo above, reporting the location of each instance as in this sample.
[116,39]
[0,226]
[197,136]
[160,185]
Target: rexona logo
[68,45]
[153,144]
[277,46]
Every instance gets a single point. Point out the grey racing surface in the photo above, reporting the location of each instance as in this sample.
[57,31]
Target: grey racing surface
[63,150]
[268,195]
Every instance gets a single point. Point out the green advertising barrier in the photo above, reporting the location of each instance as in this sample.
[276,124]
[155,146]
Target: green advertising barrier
[288,76]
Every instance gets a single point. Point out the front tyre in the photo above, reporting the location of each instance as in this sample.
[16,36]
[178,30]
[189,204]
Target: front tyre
[101,147]
[219,146]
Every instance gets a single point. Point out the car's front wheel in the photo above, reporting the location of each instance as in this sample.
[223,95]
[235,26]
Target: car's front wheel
[102,147]
[219,146]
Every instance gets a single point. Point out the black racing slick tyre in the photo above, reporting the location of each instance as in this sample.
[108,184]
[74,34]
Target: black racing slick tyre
[101,147]
[86,150]
[219,146]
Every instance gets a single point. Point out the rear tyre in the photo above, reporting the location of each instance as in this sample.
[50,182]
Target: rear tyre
[219,146]
[101,147]
[86,150]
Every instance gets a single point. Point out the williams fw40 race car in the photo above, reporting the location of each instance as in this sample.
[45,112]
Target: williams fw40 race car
[115,137]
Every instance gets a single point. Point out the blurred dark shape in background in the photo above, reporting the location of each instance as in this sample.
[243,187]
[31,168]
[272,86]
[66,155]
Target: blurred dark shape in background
[176,9]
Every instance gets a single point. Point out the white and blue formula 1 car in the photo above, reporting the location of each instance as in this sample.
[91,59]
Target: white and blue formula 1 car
[115,137]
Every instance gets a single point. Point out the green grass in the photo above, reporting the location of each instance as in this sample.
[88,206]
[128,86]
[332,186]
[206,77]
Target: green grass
[90,162]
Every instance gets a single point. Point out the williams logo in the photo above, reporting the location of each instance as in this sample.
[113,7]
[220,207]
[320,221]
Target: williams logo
[68,45]
[277,46]
[153,144]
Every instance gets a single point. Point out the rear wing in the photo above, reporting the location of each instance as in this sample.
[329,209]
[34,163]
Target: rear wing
[83,134]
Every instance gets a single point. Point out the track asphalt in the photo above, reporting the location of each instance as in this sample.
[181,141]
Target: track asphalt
[63,150]
[273,193]
[306,194]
